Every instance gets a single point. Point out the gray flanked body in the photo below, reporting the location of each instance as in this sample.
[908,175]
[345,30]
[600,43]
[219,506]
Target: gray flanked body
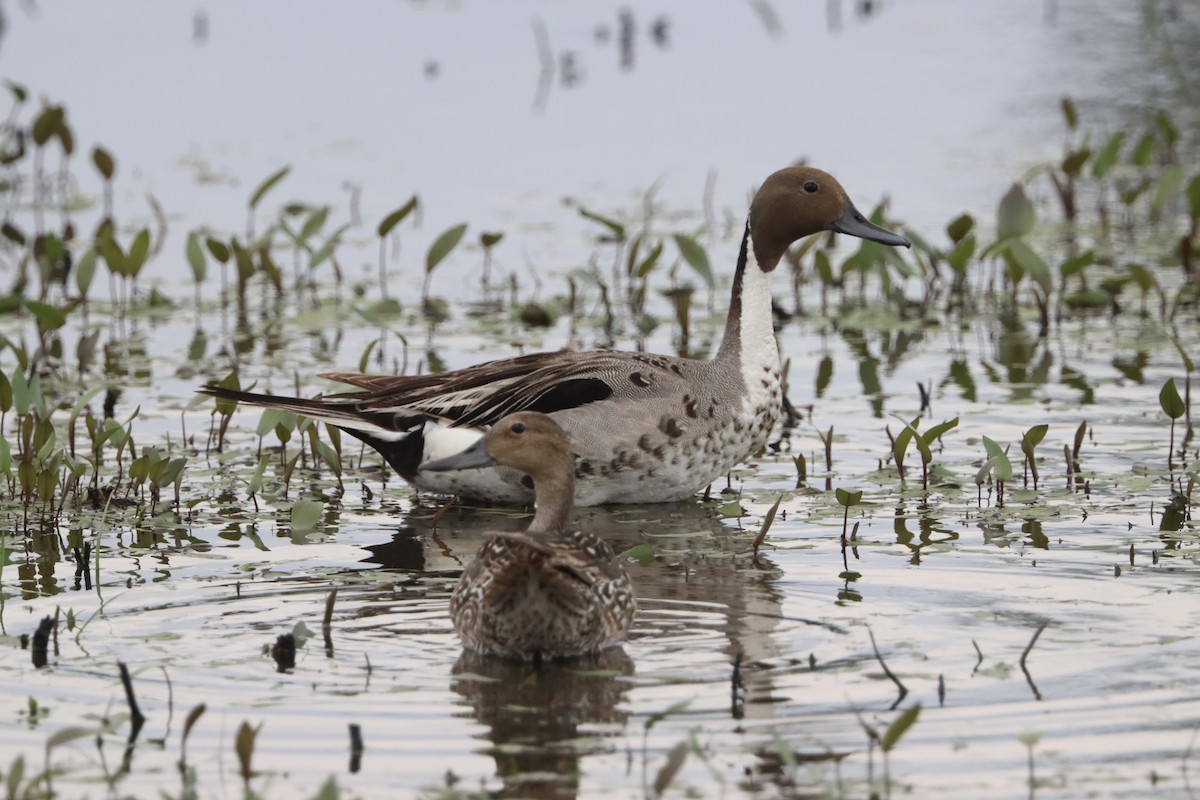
[644,428]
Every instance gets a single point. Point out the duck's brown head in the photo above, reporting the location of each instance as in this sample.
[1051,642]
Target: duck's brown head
[527,441]
[799,201]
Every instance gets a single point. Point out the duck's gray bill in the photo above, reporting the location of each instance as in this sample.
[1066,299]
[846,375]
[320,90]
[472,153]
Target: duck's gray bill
[855,223]
[474,457]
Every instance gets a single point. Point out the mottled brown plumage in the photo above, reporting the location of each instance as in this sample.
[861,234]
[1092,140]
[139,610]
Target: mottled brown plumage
[548,592]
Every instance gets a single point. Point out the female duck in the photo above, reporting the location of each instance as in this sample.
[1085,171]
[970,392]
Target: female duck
[547,592]
[646,428]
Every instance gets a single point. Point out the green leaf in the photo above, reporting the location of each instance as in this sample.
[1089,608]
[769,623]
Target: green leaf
[1142,276]
[244,747]
[85,271]
[1171,402]
[16,773]
[19,92]
[5,457]
[270,418]
[268,184]
[219,250]
[824,375]
[243,259]
[899,726]
[380,312]
[824,268]
[668,771]
[226,407]
[306,514]
[900,445]
[139,249]
[1073,163]
[172,470]
[255,484]
[1166,187]
[960,256]
[396,217]
[66,735]
[6,393]
[1108,155]
[12,233]
[104,162]
[442,246]
[112,254]
[314,222]
[1032,438]
[1070,114]
[647,264]
[1015,216]
[270,268]
[195,257]
[330,457]
[1144,150]
[614,227]
[329,790]
[1000,463]
[1077,264]
[1193,197]
[959,227]
[192,717]
[936,432]
[490,239]
[47,124]
[1031,263]
[731,510]
[642,554]
[48,317]
[696,257]
[847,498]
[22,393]
[1165,126]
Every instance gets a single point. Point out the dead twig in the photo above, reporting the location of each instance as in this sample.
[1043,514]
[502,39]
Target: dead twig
[891,676]
[1025,655]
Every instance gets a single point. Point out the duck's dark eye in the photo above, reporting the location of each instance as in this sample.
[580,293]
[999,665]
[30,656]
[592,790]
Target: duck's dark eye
[518,427]
[811,187]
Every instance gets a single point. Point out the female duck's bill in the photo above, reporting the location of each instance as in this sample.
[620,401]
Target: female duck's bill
[645,428]
[474,457]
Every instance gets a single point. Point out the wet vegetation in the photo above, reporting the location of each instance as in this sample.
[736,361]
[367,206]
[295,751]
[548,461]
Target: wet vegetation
[1100,248]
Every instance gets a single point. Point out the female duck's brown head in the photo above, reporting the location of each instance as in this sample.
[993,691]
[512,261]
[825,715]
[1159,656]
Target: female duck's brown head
[533,443]
[799,201]
[527,441]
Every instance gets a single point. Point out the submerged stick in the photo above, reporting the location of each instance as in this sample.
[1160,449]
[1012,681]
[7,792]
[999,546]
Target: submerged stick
[327,623]
[41,642]
[736,701]
[356,747]
[137,719]
[1025,655]
[903,689]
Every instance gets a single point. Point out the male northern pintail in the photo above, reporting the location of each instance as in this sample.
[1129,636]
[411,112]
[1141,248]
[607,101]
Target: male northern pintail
[547,592]
[644,428]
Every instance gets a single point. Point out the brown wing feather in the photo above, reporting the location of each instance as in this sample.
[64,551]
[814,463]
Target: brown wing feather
[482,394]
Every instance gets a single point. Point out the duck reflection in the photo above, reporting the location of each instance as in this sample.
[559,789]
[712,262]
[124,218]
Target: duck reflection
[542,720]
[698,557]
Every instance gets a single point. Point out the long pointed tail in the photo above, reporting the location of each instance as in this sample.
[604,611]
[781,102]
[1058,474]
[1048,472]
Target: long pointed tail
[318,407]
